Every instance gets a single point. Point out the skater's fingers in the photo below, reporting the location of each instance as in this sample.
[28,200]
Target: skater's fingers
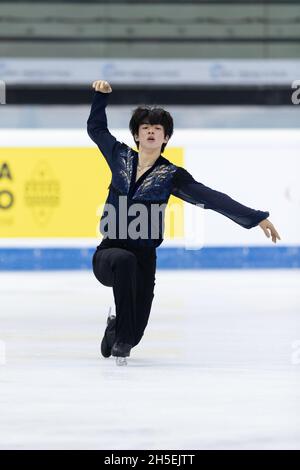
[266,232]
[96,84]
[106,86]
[102,85]
[277,234]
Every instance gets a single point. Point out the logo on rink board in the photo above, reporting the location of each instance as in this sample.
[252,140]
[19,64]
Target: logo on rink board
[42,193]
[7,198]
[6,194]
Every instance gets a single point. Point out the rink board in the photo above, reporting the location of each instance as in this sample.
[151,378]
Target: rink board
[167,258]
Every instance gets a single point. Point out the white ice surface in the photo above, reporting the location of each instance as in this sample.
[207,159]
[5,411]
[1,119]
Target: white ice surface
[218,367]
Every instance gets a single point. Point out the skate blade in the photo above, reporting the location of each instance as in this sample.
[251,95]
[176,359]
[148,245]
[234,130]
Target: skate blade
[121,361]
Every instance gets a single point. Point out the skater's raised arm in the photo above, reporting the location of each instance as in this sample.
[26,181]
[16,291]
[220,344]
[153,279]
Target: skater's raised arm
[187,188]
[97,122]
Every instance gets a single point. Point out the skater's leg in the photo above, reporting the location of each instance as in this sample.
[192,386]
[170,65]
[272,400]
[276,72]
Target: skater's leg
[145,295]
[117,267]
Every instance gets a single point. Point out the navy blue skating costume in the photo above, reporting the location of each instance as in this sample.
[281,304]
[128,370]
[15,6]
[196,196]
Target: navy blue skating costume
[128,264]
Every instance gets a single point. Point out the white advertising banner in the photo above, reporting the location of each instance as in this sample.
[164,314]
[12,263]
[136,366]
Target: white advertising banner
[149,72]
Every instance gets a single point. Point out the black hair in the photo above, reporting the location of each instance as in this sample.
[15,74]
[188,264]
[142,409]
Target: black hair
[151,115]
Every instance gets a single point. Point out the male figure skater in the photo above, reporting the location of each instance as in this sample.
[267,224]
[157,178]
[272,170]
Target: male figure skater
[127,261]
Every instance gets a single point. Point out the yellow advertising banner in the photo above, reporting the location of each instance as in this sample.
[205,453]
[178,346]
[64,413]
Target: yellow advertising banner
[60,192]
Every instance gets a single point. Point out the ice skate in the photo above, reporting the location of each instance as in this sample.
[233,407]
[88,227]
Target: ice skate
[120,351]
[109,335]
[121,361]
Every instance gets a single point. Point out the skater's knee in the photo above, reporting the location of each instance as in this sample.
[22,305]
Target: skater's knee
[126,260]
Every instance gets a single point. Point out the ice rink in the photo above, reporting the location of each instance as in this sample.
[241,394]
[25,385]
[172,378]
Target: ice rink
[218,367]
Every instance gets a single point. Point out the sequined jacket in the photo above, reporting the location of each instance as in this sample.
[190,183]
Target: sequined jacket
[154,186]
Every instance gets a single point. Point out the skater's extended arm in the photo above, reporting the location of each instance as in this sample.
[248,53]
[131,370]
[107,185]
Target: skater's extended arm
[187,188]
[97,122]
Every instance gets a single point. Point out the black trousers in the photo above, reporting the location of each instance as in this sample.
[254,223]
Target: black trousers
[131,274]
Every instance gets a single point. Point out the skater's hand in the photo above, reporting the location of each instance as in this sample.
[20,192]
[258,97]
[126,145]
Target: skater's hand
[102,85]
[267,225]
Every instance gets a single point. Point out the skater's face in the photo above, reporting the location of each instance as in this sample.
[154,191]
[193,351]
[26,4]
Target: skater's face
[151,136]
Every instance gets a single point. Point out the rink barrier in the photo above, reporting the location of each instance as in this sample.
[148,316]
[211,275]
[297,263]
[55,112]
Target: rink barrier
[255,257]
